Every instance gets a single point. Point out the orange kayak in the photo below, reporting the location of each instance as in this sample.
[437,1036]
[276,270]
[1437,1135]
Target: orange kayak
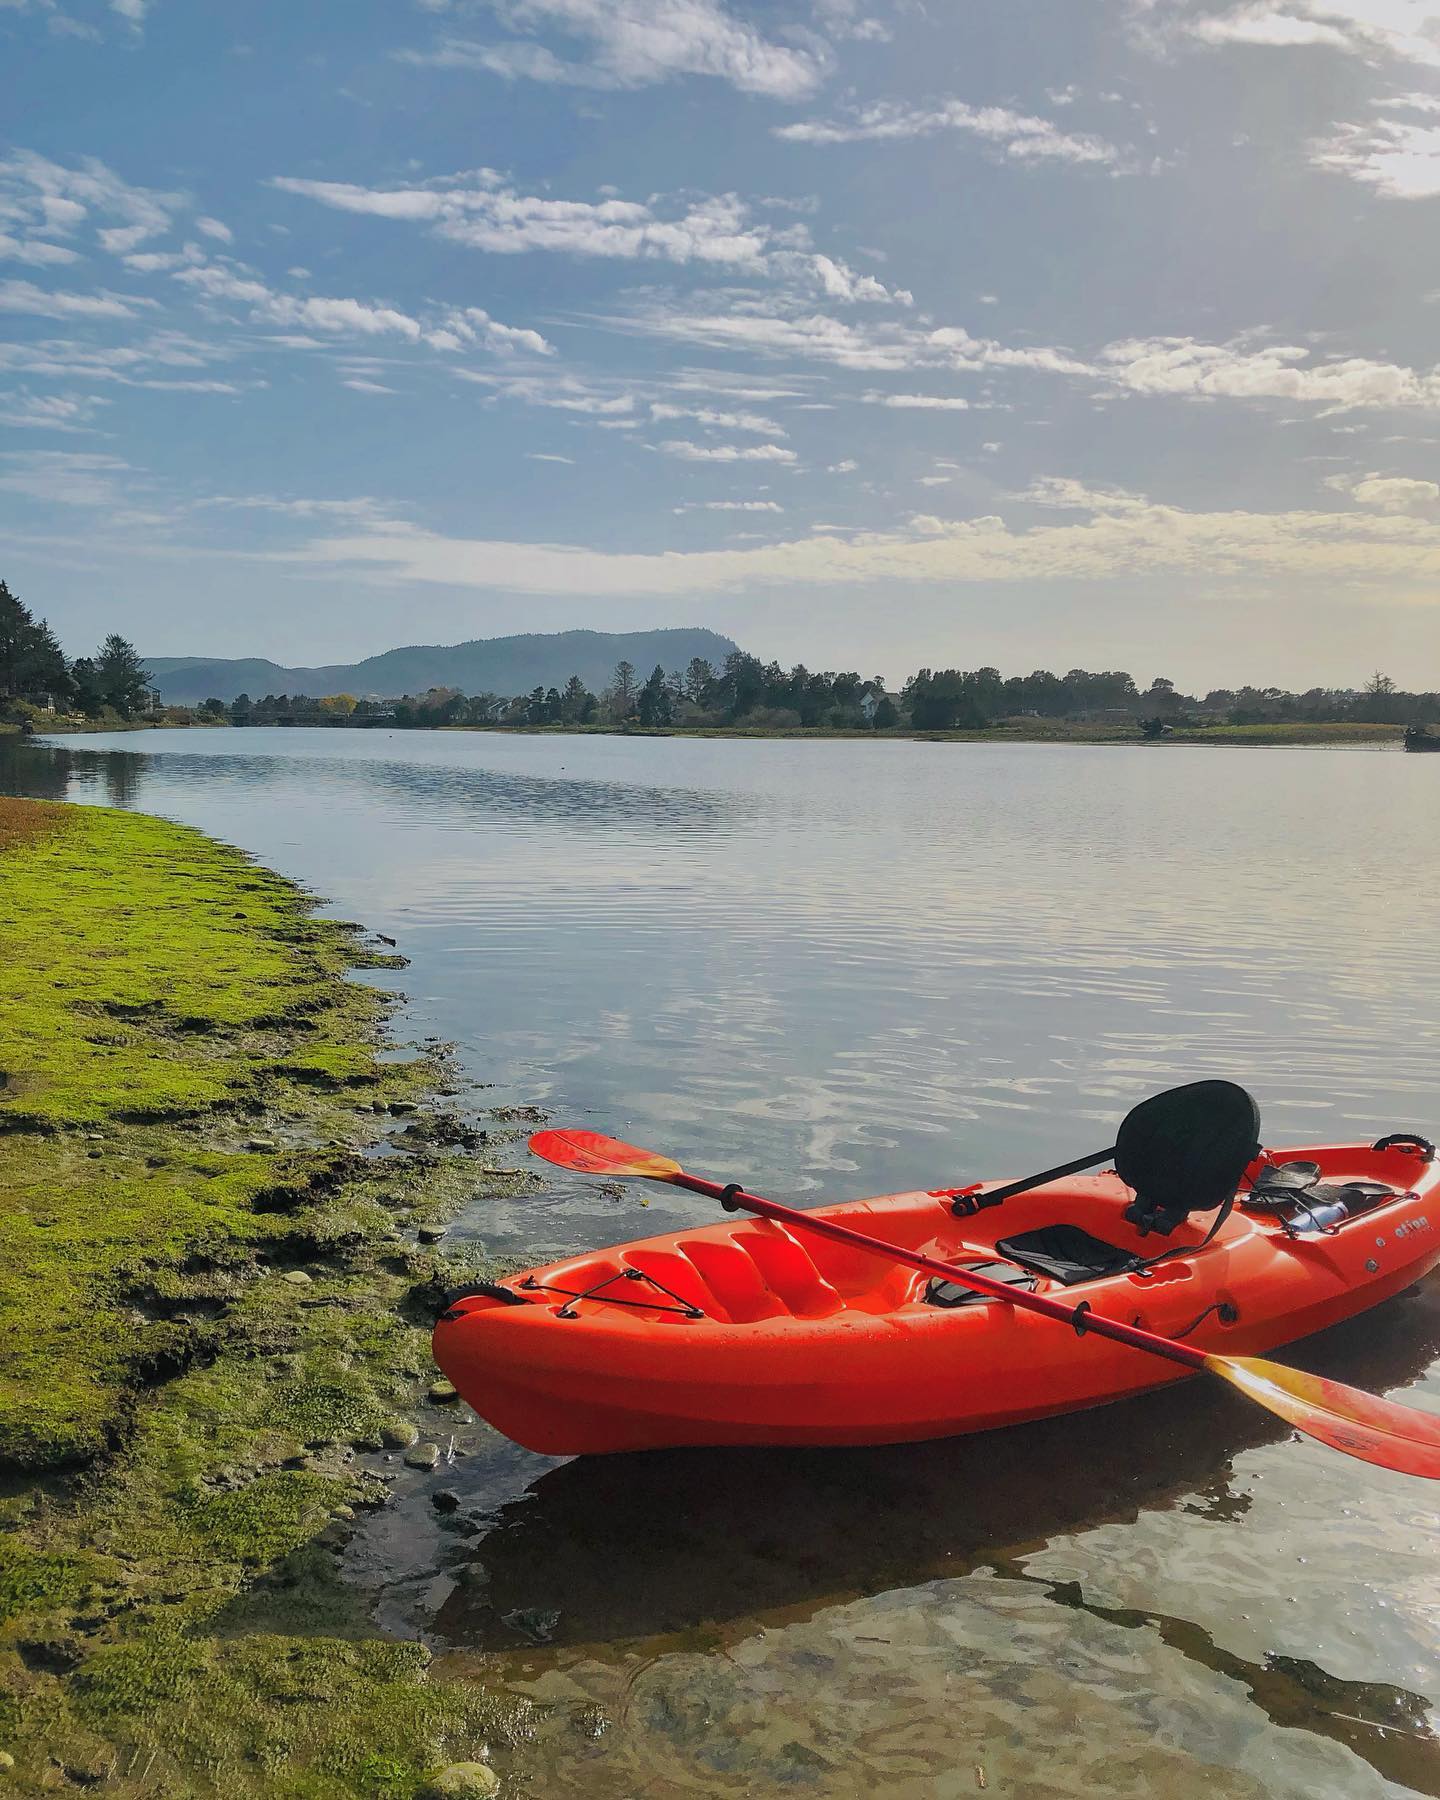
[748,1332]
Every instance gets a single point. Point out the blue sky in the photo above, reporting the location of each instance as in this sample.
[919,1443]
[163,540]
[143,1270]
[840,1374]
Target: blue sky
[875,334]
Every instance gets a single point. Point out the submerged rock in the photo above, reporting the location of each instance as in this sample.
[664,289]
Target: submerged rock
[462,1781]
[422,1456]
[431,1234]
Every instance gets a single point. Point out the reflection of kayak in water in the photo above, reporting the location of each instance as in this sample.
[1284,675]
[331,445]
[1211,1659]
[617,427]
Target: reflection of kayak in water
[751,1332]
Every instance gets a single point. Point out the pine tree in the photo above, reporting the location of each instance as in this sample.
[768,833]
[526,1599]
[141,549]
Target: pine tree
[655,704]
[123,680]
[32,664]
[620,695]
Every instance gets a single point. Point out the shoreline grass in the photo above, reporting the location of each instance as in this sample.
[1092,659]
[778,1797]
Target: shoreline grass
[216,1304]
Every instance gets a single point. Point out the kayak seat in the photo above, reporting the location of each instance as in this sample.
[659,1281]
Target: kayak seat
[1067,1254]
[788,1270]
[735,1284]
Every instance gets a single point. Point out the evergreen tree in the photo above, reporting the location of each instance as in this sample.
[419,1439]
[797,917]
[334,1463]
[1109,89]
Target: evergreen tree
[622,686]
[32,664]
[85,686]
[655,704]
[122,678]
[698,676]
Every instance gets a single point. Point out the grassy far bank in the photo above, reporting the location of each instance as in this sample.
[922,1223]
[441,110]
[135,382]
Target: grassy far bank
[216,1310]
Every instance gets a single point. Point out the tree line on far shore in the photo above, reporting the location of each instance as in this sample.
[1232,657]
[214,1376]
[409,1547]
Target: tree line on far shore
[763,696]
[35,674]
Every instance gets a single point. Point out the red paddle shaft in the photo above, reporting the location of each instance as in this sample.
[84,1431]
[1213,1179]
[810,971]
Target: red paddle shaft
[735,1199]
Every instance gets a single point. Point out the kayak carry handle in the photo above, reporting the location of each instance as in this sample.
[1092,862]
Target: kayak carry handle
[1401,1140]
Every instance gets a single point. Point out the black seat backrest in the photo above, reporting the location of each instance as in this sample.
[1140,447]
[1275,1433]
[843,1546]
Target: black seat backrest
[1185,1151]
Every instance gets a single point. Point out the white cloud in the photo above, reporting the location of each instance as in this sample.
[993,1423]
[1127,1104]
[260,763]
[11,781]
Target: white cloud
[919,402]
[452,330]
[362,386]
[132,10]
[718,419]
[1371,552]
[1246,368]
[50,412]
[1398,156]
[1069,495]
[38,252]
[727,453]
[847,466]
[215,228]
[1020,137]
[25,297]
[477,209]
[65,478]
[1388,493]
[548,456]
[753,506]
[41,200]
[1407,30]
[638,44]
[1181,366]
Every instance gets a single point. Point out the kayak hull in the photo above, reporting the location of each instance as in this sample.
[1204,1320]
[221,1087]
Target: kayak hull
[746,1332]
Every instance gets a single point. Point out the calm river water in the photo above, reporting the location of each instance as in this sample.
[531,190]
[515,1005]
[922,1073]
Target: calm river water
[842,968]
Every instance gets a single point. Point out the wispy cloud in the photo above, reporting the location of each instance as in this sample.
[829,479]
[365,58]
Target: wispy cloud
[452,329]
[50,412]
[727,453]
[919,402]
[750,506]
[1397,153]
[1385,553]
[637,45]
[42,201]
[1389,493]
[45,303]
[1019,137]
[719,419]
[1403,29]
[481,211]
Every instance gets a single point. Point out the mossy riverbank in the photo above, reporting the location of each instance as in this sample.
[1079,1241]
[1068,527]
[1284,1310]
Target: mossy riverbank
[212,1183]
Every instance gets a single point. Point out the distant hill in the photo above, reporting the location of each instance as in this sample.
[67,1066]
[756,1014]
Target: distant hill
[506,665]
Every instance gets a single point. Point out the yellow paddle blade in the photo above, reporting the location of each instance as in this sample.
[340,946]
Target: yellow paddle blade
[1364,1425]
[593,1154]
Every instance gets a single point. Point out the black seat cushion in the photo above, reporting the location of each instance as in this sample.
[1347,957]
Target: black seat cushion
[1067,1254]
[951,1293]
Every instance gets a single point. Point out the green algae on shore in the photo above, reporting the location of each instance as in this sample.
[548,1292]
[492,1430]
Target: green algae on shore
[214,1305]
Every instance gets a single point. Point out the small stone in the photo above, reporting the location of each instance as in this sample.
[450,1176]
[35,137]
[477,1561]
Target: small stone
[446,1500]
[7,1762]
[462,1781]
[398,1434]
[343,1513]
[431,1234]
[400,1107]
[297,1278]
[422,1456]
[441,1392]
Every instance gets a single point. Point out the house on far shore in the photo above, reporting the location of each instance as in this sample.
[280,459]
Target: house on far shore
[870,701]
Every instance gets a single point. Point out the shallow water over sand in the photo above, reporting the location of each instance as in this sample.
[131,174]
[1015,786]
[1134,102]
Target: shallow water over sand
[842,968]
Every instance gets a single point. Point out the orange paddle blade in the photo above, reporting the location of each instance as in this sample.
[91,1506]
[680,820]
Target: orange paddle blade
[1364,1425]
[593,1154]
